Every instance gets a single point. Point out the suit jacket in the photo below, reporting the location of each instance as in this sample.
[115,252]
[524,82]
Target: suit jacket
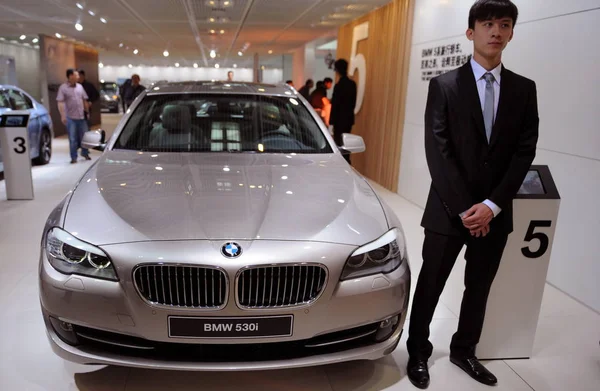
[343,102]
[466,169]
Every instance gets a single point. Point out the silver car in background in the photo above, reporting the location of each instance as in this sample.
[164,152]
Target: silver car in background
[222,229]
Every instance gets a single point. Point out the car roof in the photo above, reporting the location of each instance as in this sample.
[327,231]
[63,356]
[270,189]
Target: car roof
[221,87]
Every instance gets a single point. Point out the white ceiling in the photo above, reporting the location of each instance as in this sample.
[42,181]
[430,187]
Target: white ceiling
[183,27]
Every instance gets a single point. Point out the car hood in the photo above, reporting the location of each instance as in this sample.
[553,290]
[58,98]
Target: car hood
[142,196]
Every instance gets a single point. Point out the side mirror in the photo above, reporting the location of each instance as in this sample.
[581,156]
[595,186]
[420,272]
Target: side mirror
[353,143]
[94,139]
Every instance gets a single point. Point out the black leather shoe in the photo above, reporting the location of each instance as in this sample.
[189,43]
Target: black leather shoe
[73,161]
[87,157]
[418,373]
[473,368]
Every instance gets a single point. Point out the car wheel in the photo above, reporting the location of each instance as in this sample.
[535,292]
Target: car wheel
[45,148]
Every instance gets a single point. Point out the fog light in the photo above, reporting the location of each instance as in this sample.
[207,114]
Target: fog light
[387,328]
[64,330]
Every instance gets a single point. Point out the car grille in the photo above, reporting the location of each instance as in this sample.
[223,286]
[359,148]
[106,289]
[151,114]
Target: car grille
[182,286]
[280,286]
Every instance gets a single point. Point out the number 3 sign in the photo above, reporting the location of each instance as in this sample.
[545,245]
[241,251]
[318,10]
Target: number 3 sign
[357,61]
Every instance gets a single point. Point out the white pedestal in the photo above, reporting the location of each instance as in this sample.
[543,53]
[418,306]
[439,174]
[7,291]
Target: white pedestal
[14,141]
[515,299]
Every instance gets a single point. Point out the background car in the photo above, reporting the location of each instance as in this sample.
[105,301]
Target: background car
[40,124]
[229,233]
[109,97]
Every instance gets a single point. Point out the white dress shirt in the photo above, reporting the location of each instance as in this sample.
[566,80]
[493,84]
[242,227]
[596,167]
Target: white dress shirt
[478,72]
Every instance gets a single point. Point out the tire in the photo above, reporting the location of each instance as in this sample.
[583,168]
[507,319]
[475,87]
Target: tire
[45,147]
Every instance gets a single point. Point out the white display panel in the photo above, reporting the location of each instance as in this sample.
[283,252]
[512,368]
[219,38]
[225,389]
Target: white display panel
[14,141]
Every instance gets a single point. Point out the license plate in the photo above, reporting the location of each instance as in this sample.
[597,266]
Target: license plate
[232,327]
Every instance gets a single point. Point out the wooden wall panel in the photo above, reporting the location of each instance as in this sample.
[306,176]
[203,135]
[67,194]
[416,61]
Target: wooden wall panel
[381,119]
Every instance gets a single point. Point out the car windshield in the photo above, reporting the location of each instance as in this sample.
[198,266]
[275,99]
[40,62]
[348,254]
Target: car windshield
[222,123]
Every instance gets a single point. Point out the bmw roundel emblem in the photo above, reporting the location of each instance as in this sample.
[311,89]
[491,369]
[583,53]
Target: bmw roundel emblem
[231,250]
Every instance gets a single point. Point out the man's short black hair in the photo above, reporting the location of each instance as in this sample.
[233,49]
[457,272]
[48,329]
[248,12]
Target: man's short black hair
[81,72]
[328,80]
[309,81]
[492,9]
[341,66]
[70,71]
[288,81]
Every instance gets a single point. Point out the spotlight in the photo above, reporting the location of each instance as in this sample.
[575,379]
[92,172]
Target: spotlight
[103,20]
[79,6]
[78,27]
[136,51]
[22,37]
[100,65]
[213,54]
[195,65]
[217,66]
[240,54]
[177,64]
[57,35]
[166,53]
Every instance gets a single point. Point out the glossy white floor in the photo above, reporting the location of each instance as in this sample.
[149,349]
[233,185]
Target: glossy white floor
[566,353]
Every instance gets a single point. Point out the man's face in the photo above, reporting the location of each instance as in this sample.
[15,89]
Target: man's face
[135,81]
[81,78]
[230,76]
[328,85]
[311,84]
[490,37]
[74,77]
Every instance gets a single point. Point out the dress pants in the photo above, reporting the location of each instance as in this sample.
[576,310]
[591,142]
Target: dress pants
[482,257]
[338,137]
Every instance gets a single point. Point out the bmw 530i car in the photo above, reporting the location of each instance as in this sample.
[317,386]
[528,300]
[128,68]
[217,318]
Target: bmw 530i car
[222,229]
[39,126]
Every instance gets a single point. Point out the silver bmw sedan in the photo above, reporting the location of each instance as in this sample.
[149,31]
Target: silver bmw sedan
[222,229]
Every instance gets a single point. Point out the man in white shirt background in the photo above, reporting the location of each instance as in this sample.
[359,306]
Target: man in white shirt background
[72,105]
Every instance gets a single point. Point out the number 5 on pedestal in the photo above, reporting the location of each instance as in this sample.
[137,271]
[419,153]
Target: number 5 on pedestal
[357,61]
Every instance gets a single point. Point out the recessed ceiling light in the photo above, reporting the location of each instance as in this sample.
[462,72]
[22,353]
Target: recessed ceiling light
[195,65]
[103,20]
[226,3]
[92,13]
[235,65]
[121,45]
[78,27]
[177,64]
[130,66]
[212,31]
[213,54]
[35,40]
[222,31]
[270,52]
[211,20]
[135,51]
[217,66]
[79,6]
[57,35]
[22,37]
[166,53]
[240,54]
[100,65]
[101,80]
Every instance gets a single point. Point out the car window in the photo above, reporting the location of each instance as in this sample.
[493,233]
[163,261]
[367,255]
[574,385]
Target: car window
[222,123]
[19,100]
[4,102]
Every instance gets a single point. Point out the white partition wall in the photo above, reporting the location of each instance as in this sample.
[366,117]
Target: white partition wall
[555,44]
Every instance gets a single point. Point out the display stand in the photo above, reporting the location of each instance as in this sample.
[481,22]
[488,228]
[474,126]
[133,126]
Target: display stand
[515,299]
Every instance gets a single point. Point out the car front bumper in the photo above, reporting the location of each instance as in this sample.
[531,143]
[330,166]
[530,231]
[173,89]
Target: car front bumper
[115,326]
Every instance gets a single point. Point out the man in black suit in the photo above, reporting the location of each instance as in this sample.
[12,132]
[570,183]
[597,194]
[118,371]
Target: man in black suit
[481,131]
[343,103]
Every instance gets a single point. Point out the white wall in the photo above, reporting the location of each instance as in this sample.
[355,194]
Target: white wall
[555,44]
[153,74]
[27,63]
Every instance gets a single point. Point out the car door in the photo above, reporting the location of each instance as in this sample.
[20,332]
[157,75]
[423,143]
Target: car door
[5,106]
[21,101]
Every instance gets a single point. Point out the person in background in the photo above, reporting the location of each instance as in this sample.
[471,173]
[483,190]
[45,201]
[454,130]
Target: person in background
[289,83]
[230,76]
[92,93]
[133,90]
[343,102]
[481,132]
[122,88]
[72,105]
[305,90]
[320,102]
[328,82]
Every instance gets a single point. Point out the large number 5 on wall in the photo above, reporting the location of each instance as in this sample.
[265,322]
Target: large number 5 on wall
[357,61]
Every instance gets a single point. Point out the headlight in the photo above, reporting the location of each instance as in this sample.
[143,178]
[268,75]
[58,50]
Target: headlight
[69,255]
[384,255]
